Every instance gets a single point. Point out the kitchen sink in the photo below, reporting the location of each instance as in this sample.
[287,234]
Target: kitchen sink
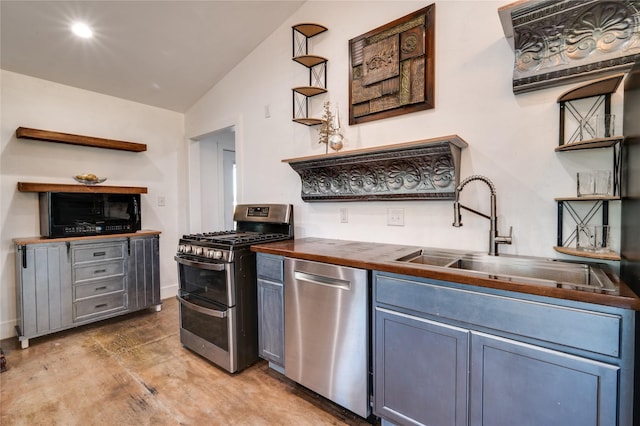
[430,257]
[519,269]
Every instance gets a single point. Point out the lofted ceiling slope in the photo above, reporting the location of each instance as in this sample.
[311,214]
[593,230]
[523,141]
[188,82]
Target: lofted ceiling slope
[161,53]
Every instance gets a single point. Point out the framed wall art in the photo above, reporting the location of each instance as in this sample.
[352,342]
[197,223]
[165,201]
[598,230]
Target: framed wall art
[392,68]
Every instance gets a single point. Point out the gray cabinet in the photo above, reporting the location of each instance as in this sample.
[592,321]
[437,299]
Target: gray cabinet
[531,360]
[424,366]
[43,273]
[271,309]
[514,383]
[143,272]
[61,285]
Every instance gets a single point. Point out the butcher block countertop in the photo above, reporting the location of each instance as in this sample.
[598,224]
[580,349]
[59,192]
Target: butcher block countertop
[382,257]
[40,240]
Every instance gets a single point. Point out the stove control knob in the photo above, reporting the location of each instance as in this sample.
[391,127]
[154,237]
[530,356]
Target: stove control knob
[217,254]
[210,254]
[181,248]
[187,249]
[199,251]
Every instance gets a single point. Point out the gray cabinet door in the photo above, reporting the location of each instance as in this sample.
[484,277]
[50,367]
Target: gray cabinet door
[420,370]
[514,383]
[271,321]
[143,272]
[44,299]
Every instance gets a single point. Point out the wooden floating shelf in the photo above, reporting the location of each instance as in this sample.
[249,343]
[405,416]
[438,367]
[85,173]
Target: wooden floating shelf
[310,61]
[96,189]
[309,29]
[598,87]
[590,144]
[308,121]
[610,255]
[590,198]
[67,138]
[309,90]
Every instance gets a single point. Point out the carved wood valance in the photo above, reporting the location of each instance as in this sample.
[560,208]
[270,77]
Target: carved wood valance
[421,170]
[561,41]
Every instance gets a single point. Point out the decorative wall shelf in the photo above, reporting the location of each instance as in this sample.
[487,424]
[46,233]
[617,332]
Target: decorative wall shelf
[59,187]
[583,103]
[591,144]
[602,256]
[317,66]
[561,41]
[420,170]
[67,138]
[577,107]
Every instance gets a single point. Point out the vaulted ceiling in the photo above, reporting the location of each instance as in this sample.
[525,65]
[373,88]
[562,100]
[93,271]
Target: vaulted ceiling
[161,53]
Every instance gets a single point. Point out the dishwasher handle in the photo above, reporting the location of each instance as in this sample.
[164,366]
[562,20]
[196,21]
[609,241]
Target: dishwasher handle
[322,280]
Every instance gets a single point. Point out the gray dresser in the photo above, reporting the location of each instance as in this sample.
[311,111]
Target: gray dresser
[64,283]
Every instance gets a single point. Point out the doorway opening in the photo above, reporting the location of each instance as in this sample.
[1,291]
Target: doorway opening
[213,181]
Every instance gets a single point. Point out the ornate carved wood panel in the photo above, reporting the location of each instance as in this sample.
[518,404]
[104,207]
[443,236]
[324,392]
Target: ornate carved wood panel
[559,41]
[427,169]
[392,68]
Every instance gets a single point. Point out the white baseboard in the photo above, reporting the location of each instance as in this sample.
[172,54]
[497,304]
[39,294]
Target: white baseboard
[168,292]
[8,329]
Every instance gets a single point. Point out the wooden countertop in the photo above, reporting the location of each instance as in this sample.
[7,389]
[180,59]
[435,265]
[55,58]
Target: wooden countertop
[381,257]
[40,240]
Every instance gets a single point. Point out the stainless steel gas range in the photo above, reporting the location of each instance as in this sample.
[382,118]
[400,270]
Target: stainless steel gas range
[217,285]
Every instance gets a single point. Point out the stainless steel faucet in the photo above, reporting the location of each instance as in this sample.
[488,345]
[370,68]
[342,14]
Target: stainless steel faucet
[494,238]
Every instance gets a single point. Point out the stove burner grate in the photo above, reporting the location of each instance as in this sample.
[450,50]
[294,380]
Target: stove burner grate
[235,237]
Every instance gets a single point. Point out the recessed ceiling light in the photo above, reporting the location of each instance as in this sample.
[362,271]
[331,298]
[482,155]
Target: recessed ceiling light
[82,30]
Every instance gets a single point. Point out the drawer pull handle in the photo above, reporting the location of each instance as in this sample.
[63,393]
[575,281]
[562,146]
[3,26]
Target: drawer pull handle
[104,287]
[99,271]
[102,305]
[99,253]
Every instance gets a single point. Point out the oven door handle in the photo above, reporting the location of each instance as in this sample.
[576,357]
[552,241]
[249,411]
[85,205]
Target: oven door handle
[201,309]
[201,265]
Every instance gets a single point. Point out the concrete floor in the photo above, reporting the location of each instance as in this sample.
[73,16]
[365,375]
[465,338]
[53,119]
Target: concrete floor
[133,370]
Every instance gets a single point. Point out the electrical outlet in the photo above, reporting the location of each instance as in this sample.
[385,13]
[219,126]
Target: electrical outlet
[161,201]
[344,215]
[395,217]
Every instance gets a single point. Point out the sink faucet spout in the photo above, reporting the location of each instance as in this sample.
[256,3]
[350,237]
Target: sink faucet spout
[494,238]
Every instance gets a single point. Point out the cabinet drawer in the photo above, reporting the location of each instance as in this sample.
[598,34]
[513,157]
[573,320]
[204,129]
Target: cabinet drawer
[270,267]
[592,331]
[95,252]
[98,270]
[97,288]
[99,306]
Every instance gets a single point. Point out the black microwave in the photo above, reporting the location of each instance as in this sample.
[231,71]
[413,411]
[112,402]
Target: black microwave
[71,214]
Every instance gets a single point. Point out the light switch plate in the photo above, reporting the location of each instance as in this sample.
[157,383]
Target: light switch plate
[395,217]
[344,215]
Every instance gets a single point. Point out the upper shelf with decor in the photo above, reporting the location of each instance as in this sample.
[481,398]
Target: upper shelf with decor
[317,66]
[556,42]
[585,116]
[586,122]
[67,138]
[420,170]
[97,189]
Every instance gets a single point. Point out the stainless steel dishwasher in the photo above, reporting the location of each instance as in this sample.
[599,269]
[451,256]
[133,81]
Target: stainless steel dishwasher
[327,331]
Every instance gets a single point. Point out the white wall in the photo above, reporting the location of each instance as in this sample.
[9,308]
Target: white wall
[511,138]
[40,104]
